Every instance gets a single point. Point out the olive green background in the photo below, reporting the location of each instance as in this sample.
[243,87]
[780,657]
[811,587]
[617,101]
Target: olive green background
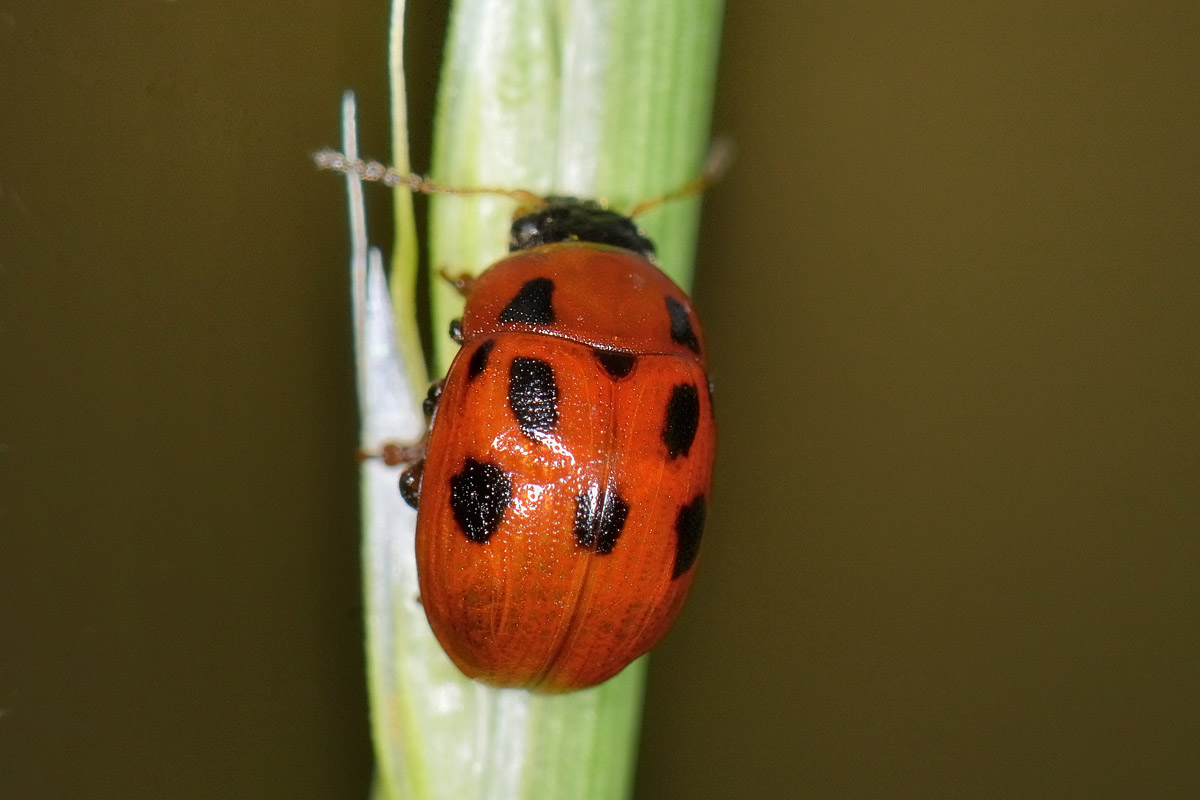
[952,289]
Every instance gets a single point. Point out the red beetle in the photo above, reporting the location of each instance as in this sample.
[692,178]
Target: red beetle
[562,498]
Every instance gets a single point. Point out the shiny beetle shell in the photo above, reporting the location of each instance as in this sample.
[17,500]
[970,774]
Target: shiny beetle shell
[563,495]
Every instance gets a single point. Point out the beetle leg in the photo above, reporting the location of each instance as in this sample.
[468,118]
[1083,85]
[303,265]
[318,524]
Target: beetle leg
[396,453]
[410,483]
[462,282]
[429,404]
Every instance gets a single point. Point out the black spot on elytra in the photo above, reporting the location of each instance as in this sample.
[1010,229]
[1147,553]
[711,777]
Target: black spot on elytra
[410,483]
[681,326]
[689,527]
[456,331]
[479,359]
[615,363]
[599,518]
[531,304]
[533,396]
[682,420]
[478,496]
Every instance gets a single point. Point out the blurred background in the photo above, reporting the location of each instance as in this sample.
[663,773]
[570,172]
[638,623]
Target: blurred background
[952,289]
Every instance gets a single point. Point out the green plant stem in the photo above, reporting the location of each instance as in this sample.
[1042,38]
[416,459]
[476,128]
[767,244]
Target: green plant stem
[593,98]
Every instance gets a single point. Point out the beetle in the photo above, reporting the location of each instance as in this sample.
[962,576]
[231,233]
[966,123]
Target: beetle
[562,498]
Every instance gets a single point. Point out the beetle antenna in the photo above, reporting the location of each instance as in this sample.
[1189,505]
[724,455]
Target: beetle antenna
[389,176]
[720,155]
